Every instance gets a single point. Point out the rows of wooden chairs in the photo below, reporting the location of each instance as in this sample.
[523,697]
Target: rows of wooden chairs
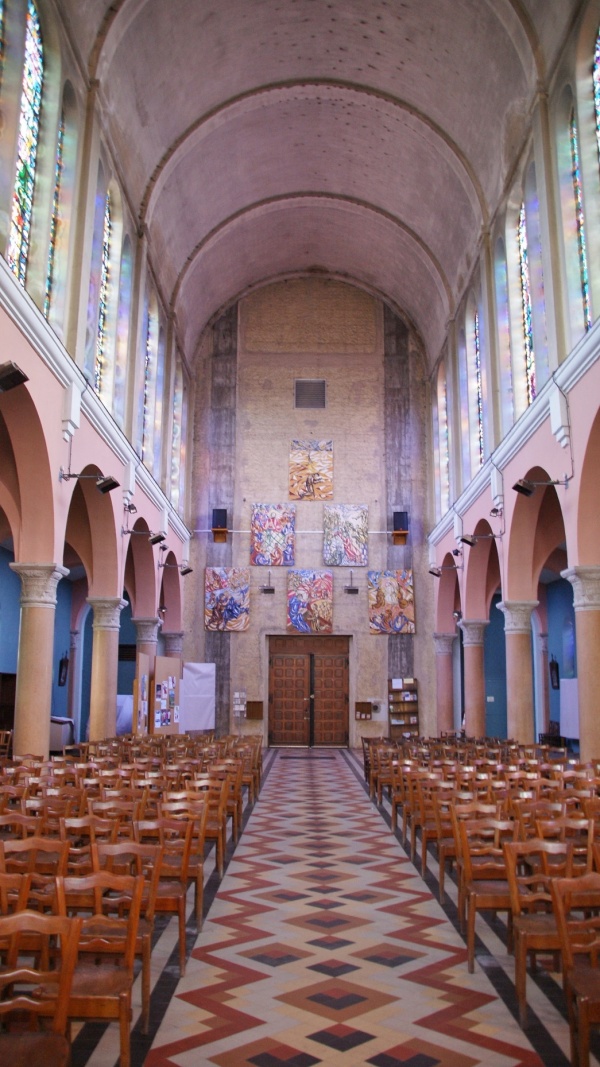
[115,835]
[520,825]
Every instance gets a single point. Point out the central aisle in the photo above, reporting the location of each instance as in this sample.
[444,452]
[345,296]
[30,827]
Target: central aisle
[324,945]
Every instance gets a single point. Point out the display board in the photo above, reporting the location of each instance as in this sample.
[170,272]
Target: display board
[141,695]
[164,692]
[197,693]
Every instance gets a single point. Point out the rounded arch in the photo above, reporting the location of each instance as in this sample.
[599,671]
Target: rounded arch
[482,572]
[588,508]
[141,572]
[449,596]
[537,529]
[91,534]
[28,477]
[170,595]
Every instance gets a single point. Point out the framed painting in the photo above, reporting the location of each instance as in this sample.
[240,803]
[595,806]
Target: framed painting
[310,602]
[391,602]
[311,470]
[345,535]
[272,535]
[227,598]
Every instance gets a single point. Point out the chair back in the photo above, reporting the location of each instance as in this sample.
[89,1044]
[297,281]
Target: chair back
[576,904]
[30,985]
[530,865]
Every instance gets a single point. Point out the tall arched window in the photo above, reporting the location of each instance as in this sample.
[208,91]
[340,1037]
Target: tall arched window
[148,396]
[27,145]
[100,383]
[527,318]
[123,312]
[443,440]
[504,345]
[577,203]
[463,391]
[475,390]
[177,441]
[54,221]
[596,78]
[2,42]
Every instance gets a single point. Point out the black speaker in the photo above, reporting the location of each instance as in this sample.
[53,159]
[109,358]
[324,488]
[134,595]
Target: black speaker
[400,527]
[219,524]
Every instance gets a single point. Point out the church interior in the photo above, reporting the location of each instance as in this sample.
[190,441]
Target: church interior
[300,434]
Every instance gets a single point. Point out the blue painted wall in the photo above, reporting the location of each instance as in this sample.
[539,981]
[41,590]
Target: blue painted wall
[494,651]
[10,611]
[561,636]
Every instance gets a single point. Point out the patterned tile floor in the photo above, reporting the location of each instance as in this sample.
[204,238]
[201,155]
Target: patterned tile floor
[323,945]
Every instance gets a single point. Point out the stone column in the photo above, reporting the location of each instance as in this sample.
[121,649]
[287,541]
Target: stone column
[443,644]
[105,660]
[74,680]
[146,631]
[33,701]
[519,672]
[173,643]
[544,690]
[474,675]
[586,601]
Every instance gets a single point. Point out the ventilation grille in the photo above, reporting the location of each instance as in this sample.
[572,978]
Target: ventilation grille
[309,393]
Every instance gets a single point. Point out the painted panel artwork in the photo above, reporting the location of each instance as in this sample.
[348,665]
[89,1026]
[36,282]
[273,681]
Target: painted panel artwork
[345,535]
[391,602]
[227,598]
[310,602]
[311,470]
[272,531]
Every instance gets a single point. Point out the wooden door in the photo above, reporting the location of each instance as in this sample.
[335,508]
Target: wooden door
[308,691]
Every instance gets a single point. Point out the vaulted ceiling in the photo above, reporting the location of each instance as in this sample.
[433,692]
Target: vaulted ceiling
[370,139]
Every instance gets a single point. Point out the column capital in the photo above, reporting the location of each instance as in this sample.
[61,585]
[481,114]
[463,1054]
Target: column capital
[173,643]
[146,630]
[517,615]
[473,630]
[586,587]
[107,612]
[39,582]
[443,643]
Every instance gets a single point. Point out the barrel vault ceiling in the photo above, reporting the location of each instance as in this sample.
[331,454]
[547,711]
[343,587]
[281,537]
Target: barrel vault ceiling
[369,139]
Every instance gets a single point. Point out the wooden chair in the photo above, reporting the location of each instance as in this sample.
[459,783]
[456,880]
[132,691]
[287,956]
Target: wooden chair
[216,821]
[578,830]
[103,977]
[81,833]
[175,838]
[134,858]
[460,810]
[43,858]
[529,871]
[195,808]
[576,903]
[31,988]
[485,879]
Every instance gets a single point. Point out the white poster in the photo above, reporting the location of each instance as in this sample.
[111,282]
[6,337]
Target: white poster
[197,697]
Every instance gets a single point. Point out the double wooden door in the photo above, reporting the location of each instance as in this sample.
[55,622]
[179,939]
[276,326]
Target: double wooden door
[308,691]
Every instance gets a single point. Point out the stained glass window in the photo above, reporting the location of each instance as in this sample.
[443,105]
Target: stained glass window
[54,222]
[29,124]
[578,202]
[478,386]
[596,76]
[149,395]
[443,439]
[103,297]
[527,324]
[176,439]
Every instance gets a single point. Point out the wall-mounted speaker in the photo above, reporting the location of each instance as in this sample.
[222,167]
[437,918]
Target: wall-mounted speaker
[400,527]
[219,525]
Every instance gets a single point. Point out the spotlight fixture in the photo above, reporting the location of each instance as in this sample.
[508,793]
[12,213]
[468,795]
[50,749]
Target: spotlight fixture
[524,487]
[185,569]
[436,571]
[496,513]
[457,551]
[156,538]
[105,483]
[457,615]
[268,588]
[352,588]
[11,376]
[468,539]
[130,508]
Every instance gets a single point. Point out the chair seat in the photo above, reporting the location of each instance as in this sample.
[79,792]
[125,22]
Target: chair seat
[97,980]
[538,927]
[584,981]
[35,1050]
[491,887]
